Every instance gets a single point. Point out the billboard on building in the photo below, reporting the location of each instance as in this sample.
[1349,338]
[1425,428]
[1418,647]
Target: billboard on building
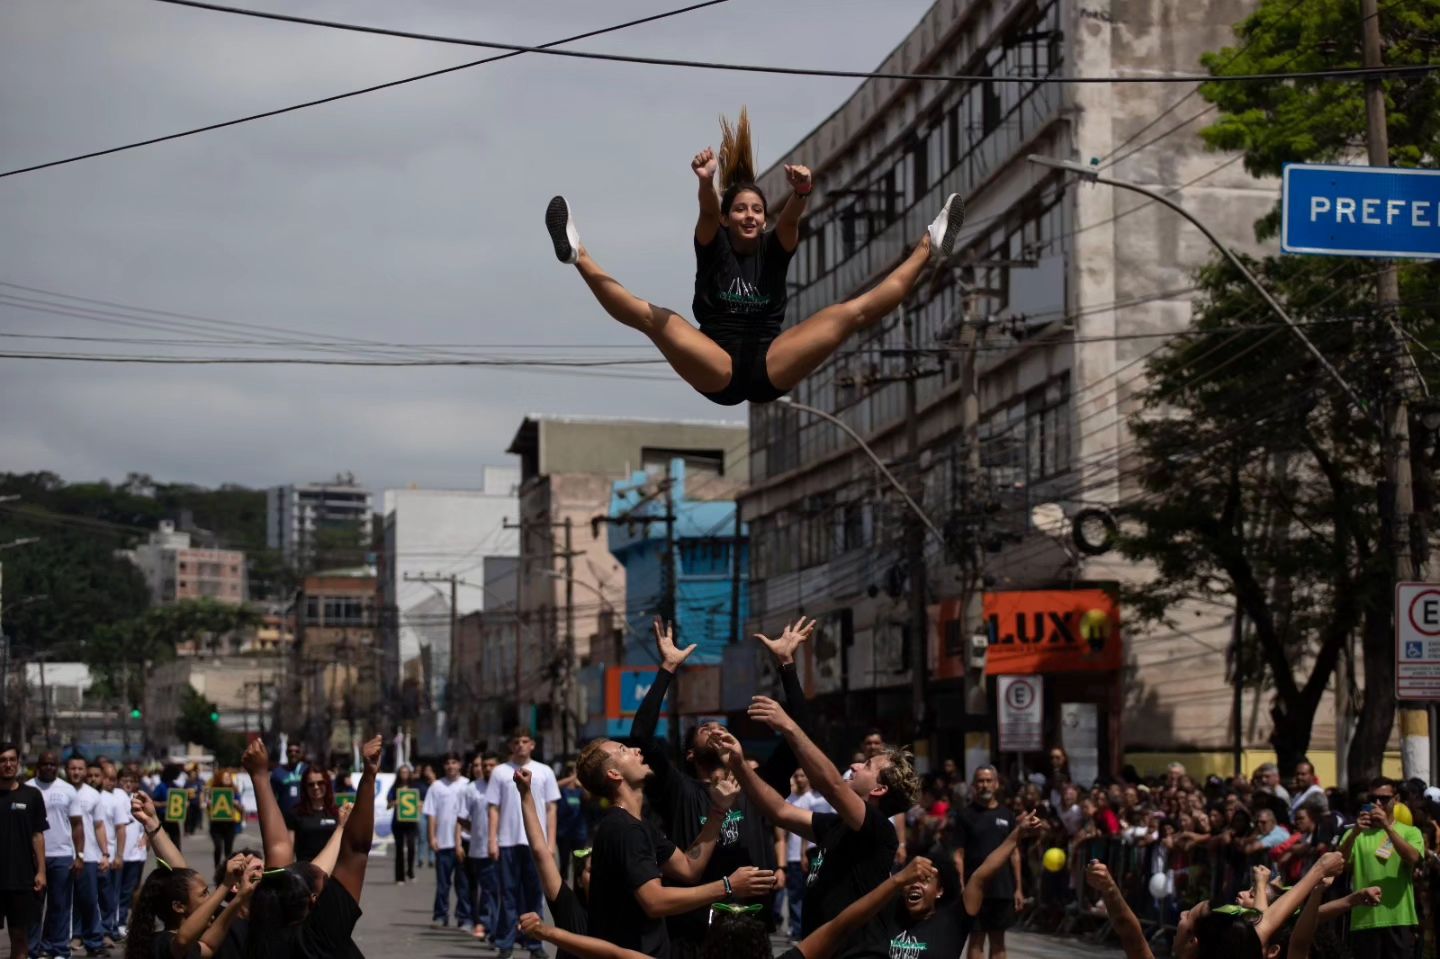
[1052,631]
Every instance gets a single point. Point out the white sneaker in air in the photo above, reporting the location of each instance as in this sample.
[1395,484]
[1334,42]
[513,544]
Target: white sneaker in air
[562,231]
[945,230]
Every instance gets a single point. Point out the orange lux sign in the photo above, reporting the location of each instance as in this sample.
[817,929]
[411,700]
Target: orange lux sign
[1052,631]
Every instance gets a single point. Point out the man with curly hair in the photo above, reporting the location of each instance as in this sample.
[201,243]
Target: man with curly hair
[855,844]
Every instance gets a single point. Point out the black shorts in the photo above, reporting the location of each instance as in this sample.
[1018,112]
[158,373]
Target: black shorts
[747,340]
[1390,942]
[995,915]
[19,908]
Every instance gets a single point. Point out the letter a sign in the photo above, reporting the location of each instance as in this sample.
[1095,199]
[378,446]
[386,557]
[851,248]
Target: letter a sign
[222,805]
[1417,641]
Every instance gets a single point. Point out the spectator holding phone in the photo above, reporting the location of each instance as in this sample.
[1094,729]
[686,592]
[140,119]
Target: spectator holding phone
[1384,853]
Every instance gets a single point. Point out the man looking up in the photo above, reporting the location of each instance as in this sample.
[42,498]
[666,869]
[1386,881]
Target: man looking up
[856,843]
[95,850]
[979,829]
[630,855]
[22,852]
[519,882]
[681,800]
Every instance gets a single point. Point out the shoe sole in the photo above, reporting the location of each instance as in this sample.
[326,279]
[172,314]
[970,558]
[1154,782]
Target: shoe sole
[953,222]
[557,219]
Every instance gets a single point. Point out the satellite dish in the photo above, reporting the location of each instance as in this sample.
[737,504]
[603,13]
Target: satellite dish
[1049,518]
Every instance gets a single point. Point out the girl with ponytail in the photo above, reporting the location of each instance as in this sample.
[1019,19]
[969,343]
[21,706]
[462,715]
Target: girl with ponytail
[309,908]
[739,353]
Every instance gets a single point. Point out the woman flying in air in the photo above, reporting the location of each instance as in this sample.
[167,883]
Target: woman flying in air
[740,353]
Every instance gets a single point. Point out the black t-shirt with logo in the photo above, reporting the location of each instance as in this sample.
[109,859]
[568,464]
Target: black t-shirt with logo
[626,853]
[980,832]
[312,832]
[941,936]
[844,866]
[730,285]
[22,815]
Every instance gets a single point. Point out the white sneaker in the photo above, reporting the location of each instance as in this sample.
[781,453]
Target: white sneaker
[562,231]
[945,230]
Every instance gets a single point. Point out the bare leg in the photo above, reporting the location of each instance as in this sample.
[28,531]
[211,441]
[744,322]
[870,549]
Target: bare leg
[799,350]
[975,948]
[698,359]
[997,944]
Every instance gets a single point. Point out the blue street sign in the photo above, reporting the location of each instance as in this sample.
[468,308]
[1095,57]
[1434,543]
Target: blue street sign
[1360,211]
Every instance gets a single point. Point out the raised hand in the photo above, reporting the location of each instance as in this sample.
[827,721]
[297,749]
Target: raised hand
[142,808]
[344,813]
[1097,875]
[235,868]
[783,649]
[1260,876]
[731,752]
[671,657]
[256,759]
[1029,825]
[532,927]
[752,883]
[1369,896]
[799,177]
[250,878]
[723,793]
[522,781]
[766,710]
[370,754]
[704,164]
[1330,864]
[916,870]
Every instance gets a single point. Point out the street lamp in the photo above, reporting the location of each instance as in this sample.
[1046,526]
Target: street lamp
[1093,176]
[879,464]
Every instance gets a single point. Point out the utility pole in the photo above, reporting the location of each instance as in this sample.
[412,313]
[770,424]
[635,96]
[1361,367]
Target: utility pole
[668,604]
[1414,736]
[971,591]
[736,544]
[915,556]
[447,702]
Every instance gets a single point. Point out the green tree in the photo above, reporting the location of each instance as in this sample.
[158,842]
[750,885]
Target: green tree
[194,724]
[1262,482]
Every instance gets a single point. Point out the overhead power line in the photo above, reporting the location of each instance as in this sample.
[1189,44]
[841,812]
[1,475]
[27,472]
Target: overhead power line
[1355,73]
[354,93]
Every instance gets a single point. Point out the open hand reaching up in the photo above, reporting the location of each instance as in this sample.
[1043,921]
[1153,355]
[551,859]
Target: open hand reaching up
[671,656]
[783,649]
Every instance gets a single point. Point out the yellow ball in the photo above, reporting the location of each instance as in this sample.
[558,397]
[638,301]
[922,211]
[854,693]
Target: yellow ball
[1054,859]
[1402,814]
[1094,623]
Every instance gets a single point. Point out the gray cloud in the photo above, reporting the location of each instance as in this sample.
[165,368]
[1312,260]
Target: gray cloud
[411,215]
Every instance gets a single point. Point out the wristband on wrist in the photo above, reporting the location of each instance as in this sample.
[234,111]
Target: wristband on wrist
[806,193]
[729,890]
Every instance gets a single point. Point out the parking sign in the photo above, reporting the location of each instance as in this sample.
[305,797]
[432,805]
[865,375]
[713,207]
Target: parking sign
[1417,641]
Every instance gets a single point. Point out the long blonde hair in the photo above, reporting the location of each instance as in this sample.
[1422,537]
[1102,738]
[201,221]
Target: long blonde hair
[737,160]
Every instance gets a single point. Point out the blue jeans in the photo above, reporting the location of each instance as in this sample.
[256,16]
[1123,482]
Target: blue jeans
[51,936]
[426,855]
[86,906]
[484,892]
[519,894]
[109,900]
[129,882]
[794,895]
[445,871]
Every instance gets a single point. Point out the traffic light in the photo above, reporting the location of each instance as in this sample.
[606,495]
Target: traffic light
[135,713]
[214,716]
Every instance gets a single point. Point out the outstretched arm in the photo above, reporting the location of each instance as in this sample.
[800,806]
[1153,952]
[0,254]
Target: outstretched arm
[586,947]
[214,936]
[690,866]
[1127,927]
[781,765]
[787,223]
[142,808]
[703,164]
[1359,899]
[647,717]
[279,850]
[770,803]
[827,940]
[1303,935]
[822,773]
[360,828]
[331,853]
[974,894]
[194,925]
[550,881]
[1331,864]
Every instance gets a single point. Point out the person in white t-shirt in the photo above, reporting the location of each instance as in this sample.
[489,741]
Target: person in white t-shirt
[475,841]
[96,854]
[796,868]
[117,821]
[444,804]
[64,858]
[519,881]
[135,852]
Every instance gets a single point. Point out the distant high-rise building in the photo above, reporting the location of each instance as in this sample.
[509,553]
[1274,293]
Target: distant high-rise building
[325,523]
[174,569]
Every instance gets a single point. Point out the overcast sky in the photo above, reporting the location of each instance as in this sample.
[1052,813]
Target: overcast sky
[412,215]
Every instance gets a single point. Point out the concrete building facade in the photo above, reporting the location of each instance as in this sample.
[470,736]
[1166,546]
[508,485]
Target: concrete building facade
[569,465]
[1040,329]
[313,520]
[431,536]
[176,570]
[335,668]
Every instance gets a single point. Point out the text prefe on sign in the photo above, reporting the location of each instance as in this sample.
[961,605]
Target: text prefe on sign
[1360,211]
